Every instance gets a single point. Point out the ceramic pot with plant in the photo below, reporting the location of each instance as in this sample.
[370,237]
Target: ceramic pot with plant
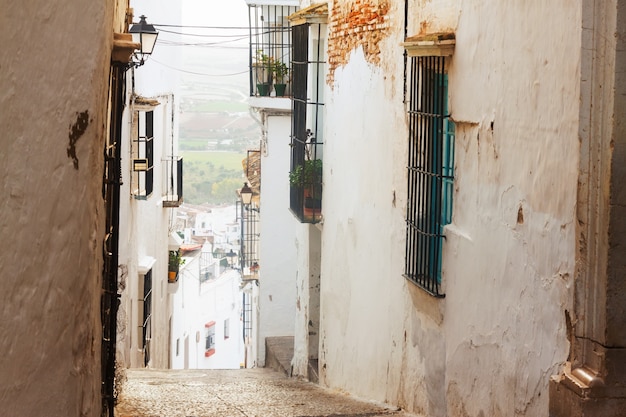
[281,74]
[174,263]
[308,177]
[263,73]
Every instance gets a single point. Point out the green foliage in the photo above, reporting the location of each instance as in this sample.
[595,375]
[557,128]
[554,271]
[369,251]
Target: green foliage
[307,174]
[225,190]
[275,66]
[281,70]
[175,260]
[212,177]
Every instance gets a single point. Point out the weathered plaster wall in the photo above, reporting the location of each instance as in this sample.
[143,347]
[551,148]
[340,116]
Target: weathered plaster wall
[277,282]
[306,340]
[53,95]
[517,170]
[489,347]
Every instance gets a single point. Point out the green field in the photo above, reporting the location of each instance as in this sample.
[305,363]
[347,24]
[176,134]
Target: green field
[228,160]
[212,177]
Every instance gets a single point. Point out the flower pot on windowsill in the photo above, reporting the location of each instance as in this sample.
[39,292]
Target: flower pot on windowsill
[171,276]
[280,89]
[263,89]
[312,207]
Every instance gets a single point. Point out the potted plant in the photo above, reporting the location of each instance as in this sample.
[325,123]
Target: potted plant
[263,73]
[175,261]
[281,74]
[308,176]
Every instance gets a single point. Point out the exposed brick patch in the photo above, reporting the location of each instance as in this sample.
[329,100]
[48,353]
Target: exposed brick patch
[352,24]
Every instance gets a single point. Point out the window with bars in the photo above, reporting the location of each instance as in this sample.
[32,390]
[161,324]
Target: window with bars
[143,154]
[147,316]
[430,172]
[209,349]
[305,175]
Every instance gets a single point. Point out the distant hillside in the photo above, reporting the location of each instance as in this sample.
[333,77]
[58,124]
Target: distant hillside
[215,128]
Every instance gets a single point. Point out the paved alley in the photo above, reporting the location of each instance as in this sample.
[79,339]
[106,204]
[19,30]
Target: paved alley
[234,393]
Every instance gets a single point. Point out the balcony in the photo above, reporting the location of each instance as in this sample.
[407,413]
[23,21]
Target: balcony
[270,48]
[305,181]
[173,167]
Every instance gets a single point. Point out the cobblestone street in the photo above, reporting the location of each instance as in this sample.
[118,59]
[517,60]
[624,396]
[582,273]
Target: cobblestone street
[234,393]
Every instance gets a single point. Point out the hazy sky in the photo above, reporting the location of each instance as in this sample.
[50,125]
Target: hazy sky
[215,12]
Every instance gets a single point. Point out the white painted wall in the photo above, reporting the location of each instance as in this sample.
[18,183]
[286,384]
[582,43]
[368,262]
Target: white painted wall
[145,224]
[194,305]
[144,239]
[52,217]
[277,285]
[489,347]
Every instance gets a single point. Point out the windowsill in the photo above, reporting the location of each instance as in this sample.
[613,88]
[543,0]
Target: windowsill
[269,102]
[452,229]
[424,302]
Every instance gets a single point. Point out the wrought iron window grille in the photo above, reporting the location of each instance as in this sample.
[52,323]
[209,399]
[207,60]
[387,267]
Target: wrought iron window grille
[430,172]
[173,196]
[143,155]
[147,317]
[305,175]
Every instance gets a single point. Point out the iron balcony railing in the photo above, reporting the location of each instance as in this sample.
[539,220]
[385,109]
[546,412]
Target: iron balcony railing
[173,195]
[270,50]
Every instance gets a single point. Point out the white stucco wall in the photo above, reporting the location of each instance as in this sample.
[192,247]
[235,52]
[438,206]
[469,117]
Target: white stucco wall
[52,217]
[489,347]
[194,305]
[277,286]
[145,224]
[144,237]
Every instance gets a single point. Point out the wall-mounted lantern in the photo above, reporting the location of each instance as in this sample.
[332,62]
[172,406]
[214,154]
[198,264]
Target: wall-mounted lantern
[246,194]
[145,35]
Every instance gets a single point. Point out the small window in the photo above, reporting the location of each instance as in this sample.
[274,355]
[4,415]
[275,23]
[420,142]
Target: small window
[143,154]
[147,316]
[430,172]
[210,339]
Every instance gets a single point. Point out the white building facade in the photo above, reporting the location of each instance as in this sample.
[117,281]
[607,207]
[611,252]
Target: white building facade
[277,301]
[207,325]
[150,192]
[463,251]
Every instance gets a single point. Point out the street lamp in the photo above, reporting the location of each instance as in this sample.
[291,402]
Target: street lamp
[246,194]
[146,35]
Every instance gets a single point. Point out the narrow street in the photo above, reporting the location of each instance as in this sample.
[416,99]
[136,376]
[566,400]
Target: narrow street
[234,393]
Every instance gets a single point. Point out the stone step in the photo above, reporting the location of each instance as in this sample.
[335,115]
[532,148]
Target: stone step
[278,353]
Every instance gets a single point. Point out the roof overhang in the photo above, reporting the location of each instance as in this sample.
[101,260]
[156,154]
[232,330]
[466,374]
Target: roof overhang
[315,13]
[145,103]
[432,44]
